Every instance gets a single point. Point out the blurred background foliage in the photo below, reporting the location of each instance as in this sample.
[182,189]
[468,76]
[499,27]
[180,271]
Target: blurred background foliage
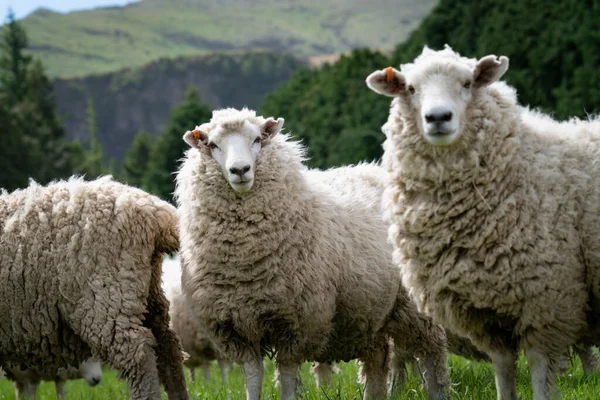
[129,120]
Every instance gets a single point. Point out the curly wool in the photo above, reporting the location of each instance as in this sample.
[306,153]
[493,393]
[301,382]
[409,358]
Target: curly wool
[81,265]
[256,272]
[299,264]
[497,235]
[193,340]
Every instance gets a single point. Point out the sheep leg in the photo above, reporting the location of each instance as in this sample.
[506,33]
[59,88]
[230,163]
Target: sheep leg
[288,381]
[254,371]
[589,360]
[206,371]
[543,378]
[60,388]
[505,371]
[398,372]
[323,372]
[131,353]
[193,375]
[142,378]
[223,365]
[435,375]
[414,333]
[168,347]
[25,390]
[375,371]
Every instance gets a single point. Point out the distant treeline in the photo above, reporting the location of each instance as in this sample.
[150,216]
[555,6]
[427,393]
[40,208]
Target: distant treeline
[554,51]
[554,58]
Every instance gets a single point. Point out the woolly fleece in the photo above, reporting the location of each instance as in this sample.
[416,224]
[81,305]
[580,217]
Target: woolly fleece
[299,265]
[80,264]
[193,340]
[497,235]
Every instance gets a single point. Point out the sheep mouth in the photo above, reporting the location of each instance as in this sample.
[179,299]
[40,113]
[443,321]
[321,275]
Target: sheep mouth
[242,185]
[440,137]
[439,133]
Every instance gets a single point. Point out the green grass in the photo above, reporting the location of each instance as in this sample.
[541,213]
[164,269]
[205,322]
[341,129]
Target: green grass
[103,40]
[470,380]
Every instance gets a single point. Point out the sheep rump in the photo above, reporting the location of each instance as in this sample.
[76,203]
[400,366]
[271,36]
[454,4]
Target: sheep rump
[82,262]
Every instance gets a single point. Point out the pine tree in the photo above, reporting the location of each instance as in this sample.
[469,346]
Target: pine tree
[93,165]
[13,156]
[169,147]
[14,63]
[113,169]
[31,132]
[136,159]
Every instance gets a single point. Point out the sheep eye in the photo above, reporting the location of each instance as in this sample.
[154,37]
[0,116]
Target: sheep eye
[411,89]
[467,85]
[257,140]
[213,146]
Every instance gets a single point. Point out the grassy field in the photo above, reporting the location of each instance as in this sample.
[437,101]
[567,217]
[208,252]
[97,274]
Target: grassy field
[106,39]
[470,380]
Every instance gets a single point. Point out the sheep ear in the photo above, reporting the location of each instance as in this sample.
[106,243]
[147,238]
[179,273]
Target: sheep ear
[271,127]
[388,82]
[195,138]
[489,69]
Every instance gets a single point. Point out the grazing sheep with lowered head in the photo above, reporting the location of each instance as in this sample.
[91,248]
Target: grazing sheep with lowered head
[27,381]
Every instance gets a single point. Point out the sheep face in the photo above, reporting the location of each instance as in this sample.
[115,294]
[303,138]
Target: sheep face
[91,371]
[437,89]
[235,147]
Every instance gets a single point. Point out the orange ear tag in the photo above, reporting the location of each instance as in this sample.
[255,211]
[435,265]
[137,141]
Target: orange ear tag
[389,74]
[196,134]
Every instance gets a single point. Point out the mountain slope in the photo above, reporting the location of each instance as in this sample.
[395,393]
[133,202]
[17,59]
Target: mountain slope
[142,98]
[107,39]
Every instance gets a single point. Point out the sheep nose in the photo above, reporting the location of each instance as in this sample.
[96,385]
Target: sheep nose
[438,117]
[94,381]
[239,171]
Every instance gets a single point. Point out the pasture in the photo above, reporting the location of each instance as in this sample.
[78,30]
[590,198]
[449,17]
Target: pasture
[470,381]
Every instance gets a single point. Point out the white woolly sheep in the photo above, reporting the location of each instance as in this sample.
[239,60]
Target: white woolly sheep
[27,381]
[279,259]
[81,264]
[494,212]
[194,342]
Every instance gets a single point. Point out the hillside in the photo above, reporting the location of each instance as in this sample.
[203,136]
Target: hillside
[106,39]
[142,98]
[553,53]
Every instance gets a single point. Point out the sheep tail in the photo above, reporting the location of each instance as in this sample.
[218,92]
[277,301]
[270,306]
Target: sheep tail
[168,239]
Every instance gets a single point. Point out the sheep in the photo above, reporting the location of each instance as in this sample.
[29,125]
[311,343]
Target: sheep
[493,212]
[462,346]
[294,263]
[81,264]
[194,342]
[323,373]
[27,381]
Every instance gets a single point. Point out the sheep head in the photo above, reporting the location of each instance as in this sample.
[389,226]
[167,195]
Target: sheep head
[91,371]
[234,139]
[437,89]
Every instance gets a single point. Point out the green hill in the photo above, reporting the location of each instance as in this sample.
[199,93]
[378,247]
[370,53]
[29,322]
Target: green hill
[131,99]
[106,39]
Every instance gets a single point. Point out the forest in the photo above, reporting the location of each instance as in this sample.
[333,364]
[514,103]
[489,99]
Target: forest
[553,55]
